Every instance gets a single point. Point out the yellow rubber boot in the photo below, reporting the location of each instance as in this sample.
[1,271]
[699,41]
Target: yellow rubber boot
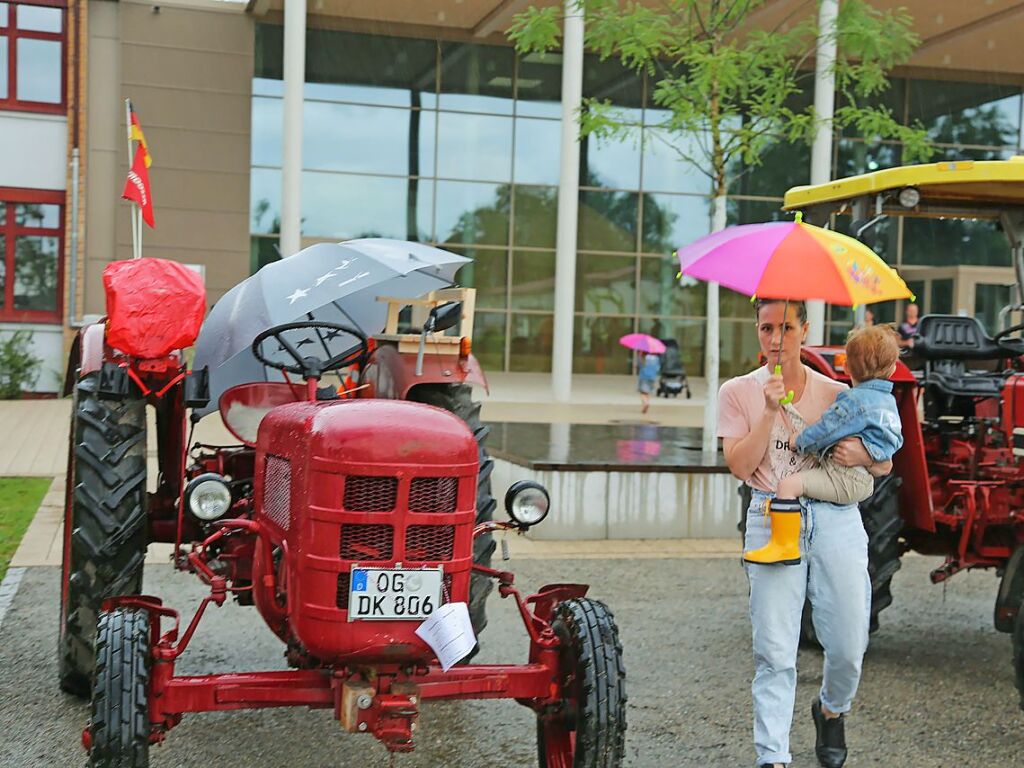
[784,546]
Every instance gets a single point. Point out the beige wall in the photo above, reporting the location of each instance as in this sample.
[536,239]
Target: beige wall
[188,70]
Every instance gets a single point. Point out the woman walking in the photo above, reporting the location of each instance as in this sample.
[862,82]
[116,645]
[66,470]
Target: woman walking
[833,568]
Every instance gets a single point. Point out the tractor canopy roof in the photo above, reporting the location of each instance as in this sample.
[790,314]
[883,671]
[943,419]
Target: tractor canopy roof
[977,189]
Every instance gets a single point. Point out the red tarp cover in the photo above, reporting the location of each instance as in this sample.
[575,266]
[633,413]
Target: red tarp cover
[154,306]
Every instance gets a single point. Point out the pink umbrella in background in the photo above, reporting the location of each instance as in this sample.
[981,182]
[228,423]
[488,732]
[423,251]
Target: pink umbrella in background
[642,342]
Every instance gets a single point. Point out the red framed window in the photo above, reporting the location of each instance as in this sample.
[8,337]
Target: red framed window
[32,247]
[33,52]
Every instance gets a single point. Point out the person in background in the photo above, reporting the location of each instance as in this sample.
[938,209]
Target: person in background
[646,378]
[908,328]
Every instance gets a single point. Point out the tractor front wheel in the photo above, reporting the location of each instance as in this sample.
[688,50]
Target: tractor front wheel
[457,399]
[587,729]
[119,727]
[1018,654]
[104,519]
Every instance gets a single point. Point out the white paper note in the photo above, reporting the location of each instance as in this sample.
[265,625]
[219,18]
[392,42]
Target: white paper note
[449,632]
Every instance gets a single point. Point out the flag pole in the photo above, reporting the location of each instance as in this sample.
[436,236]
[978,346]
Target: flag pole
[132,212]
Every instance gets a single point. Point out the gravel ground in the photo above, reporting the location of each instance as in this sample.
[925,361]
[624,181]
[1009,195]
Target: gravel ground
[937,689]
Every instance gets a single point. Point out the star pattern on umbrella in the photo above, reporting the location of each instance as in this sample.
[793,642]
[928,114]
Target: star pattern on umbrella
[297,294]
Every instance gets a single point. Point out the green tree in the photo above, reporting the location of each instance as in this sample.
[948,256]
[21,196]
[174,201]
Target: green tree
[728,89]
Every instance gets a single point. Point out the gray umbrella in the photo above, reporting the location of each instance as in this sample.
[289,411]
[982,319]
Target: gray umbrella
[327,282]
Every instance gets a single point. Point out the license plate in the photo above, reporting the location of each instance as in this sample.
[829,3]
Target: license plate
[389,594]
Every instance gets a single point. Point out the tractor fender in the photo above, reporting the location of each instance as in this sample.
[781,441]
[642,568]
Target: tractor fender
[1011,592]
[393,375]
[85,355]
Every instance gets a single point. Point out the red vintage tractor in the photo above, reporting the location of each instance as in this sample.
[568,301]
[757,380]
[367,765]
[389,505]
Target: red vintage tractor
[957,488]
[351,516]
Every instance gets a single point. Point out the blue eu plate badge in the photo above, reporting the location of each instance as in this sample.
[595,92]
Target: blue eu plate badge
[359,581]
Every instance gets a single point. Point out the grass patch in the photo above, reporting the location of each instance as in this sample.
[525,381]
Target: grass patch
[19,499]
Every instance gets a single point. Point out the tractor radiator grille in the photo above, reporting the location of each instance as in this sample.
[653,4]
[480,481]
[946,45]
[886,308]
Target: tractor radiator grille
[344,581]
[277,491]
[429,542]
[370,493]
[366,542]
[433,494]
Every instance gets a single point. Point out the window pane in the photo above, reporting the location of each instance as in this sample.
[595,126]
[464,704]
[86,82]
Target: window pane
[342,206]
[892,98]
[35,273]
[733,304]
[739,348]
[3,67]
[533,280]
[950,242]
[605,284]
[262,251]
[472,213]
[783,165]
[610,163]
[477,78]
[265,201]
[989,299]
[347,137]
[856,157]
[672,221]
[530,343]
[3,267]
[662,294]
[689,334]
[267,124]
[39,77]
[967,113]
[665,168]
[488,273]
[536,219]
[880,237]
[537,153]
[754,211]
[489,340]
[942,297]
[37,18]
[596,347]
[474,147]
[3,14]
[610,80]
[539,85]
[37,215]
[262,86]
[608,221]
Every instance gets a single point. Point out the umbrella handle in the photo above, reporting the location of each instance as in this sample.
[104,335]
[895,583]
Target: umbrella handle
[789,395]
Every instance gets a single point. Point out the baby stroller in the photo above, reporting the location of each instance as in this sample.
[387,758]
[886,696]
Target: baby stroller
[673,373]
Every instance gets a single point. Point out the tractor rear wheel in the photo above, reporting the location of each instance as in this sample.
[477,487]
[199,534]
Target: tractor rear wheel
[1018,654]
[880,514]
[119,726]
[588,728]
[104,522]
[457,399]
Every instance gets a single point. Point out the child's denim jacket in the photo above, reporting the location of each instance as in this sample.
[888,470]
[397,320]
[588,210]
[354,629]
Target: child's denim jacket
[867,411]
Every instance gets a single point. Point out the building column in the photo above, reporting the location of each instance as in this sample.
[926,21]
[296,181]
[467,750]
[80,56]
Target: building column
[291,150]
[568,203]
[821,149]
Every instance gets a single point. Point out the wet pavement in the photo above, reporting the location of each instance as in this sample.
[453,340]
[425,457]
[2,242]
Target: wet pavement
[631,446]
[937,689]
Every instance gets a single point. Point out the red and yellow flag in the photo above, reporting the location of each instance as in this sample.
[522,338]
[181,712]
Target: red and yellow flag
[137,134]
[136,186]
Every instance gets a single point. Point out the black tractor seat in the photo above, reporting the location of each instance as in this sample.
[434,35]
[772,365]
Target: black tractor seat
[959,337]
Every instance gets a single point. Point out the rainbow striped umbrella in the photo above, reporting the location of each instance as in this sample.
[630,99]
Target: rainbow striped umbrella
[793,260]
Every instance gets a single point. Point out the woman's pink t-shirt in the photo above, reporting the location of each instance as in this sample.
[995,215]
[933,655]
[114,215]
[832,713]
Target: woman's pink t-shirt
[741,404]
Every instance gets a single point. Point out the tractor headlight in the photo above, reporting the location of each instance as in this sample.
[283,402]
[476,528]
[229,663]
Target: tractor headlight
[527,502]
[208,496]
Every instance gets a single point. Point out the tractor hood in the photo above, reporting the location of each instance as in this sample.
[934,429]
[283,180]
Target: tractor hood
[367,432]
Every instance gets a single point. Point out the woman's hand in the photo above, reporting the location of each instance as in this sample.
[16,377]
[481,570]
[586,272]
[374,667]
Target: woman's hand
[774,392]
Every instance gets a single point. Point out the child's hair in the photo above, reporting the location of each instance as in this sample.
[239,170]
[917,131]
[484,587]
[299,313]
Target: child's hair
[871,351]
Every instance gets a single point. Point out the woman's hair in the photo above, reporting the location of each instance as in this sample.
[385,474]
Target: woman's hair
[871,351]
[801,307]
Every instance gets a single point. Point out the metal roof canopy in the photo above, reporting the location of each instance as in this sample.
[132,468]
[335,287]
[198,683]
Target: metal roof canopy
[977,189]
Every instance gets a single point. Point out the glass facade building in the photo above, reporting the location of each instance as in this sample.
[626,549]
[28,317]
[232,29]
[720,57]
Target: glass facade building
[457,144]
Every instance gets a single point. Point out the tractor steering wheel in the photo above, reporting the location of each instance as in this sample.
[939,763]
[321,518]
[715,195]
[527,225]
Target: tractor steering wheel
[311,366]
[1007,331]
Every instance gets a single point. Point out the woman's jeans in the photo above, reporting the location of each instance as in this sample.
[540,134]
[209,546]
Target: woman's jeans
[833,574]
